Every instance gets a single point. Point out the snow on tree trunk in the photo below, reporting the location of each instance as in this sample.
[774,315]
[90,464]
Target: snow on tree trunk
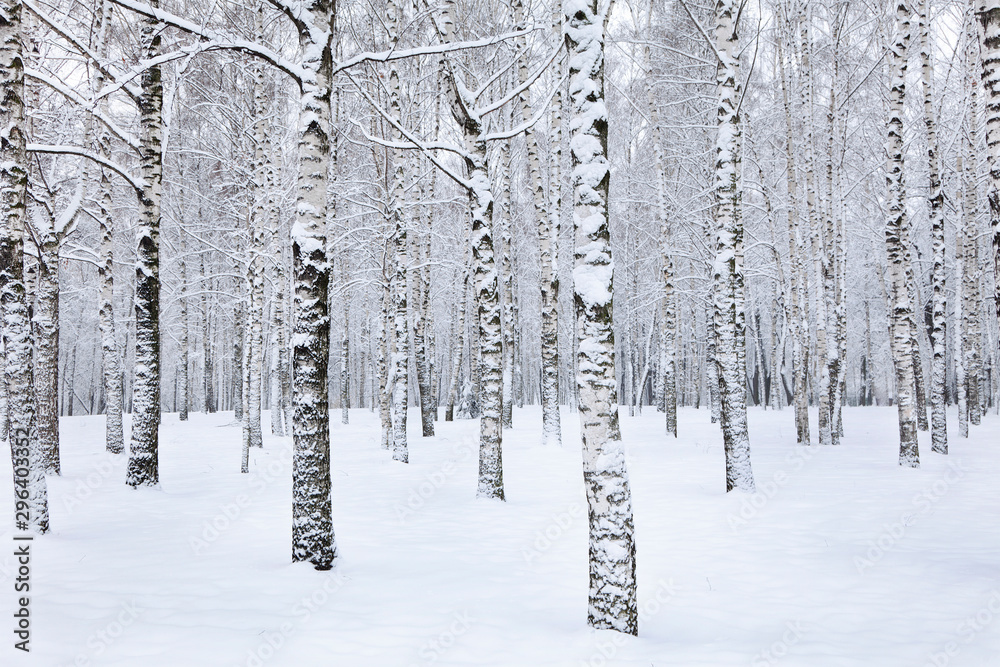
[45,332]
[421,330]
[989,17]
[182,371]
[798,319]
[26,455]
[399,281]
[900,308]
[239,362]
[548,237]
[255,260]
[345,373]
[110,355]
[668,304]
[823,383]
[279,382]
[143,463]
[312,523]
[612,599]
[505,223]
[961,236]
[728,281]
[487,363]
[458,347]
[206,343]
[935,200]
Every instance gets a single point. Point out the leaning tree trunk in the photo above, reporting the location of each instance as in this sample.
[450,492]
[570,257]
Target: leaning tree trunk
[900,308]
[728,281]
[31,507]
[612,599]
[143,463]
[312,523]
[935,200]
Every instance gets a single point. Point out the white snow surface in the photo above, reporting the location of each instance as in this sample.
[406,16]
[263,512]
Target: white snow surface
[842,558]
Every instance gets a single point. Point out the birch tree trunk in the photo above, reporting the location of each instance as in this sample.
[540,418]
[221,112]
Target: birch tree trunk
[45,332]
[935,205]
[312,524]
[31,509]
[255,258]
[279,382]
[989,18]
[798,320]
[612,599]
[399,282]
[901,310]
[182,371]
[961,236]
[507,282]
[668,304]
[143,463]
[110,355]
[728,281]
[548,237]
[487,300]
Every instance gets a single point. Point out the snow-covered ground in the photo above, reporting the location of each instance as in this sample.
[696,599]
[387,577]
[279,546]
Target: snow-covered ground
[842,558]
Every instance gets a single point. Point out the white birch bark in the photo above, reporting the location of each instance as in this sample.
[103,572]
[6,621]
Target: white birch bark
[728,281]
[312,524]
[110,354]
[612,599]
[935,205]
[481,201]
[143,463]
[988,12]
[900,307]
[31,511]
[798,319]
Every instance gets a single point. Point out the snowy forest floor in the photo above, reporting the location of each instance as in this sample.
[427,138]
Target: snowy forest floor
[842,558]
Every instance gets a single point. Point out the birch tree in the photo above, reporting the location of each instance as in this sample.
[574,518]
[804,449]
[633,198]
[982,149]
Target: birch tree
[612,600]
[728,281]
[31,511]
[896,238]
